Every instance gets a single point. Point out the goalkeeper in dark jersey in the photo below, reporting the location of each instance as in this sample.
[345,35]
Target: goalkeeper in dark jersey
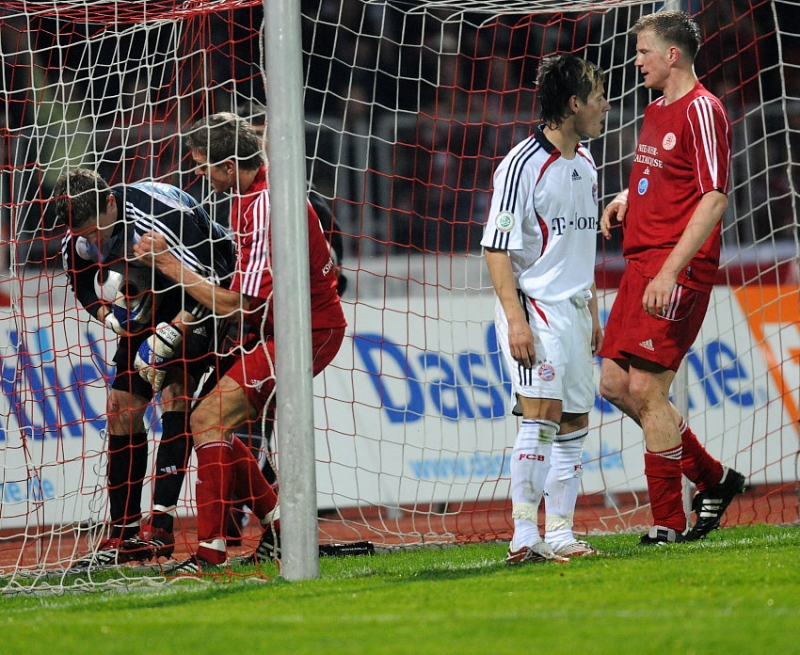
[166,339]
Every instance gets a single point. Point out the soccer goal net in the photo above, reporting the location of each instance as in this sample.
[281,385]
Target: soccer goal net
[409,106]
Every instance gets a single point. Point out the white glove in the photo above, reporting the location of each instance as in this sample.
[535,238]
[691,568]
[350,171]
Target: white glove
[156,352]
[129,315]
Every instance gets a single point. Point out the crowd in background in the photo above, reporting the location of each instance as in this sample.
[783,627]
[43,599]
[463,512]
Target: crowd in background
[407,111]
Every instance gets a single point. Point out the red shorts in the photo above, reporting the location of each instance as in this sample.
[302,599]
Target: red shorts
[665,340]
[253,366]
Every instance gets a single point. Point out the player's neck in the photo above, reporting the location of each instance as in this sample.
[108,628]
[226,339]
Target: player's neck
[565,139]
[678,85]
[245,180]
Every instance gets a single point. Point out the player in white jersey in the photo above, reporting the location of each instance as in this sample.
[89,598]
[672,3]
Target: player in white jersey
[539,243]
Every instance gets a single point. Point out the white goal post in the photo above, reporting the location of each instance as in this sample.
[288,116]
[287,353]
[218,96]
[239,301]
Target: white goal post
[407,107]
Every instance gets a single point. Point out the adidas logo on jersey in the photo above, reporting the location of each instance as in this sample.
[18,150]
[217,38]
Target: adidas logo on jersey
[575,175]
[648,345]
[256,384]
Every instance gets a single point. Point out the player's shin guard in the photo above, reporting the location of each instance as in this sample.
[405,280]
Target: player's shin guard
[530,462]
[127,467]
[251,486]
[215,481]
[172,458]
[697,463]
[664,484]
[562,486]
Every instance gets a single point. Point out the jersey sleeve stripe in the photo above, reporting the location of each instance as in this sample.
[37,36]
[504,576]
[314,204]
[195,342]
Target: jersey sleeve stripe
[500,240]
[706,116]
[145,223]
[258,261]
[516,170]
[707,145]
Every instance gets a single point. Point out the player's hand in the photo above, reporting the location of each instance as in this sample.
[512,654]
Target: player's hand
[149,247]
[520,343]
[156,353]
[597,338]
[658,295]
[615,210]
[130,315]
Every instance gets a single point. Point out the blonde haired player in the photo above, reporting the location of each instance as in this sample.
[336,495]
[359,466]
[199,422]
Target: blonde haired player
[671,215]
[540,242]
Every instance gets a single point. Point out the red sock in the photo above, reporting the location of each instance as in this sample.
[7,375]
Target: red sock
[698,465]
[213,491]
[663,471]
[251,485]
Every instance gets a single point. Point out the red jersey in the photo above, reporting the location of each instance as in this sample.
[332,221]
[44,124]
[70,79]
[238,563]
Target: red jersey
[683,153]
[250,221]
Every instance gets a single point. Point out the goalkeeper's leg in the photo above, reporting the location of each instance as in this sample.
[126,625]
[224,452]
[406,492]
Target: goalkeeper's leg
[172,458]
[126,469]
[127,462]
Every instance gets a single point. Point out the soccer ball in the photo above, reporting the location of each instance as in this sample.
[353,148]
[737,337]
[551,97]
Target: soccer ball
[128,288]
[107,285]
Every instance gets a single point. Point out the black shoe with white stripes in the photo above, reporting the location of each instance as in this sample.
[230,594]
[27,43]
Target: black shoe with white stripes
[196,566]
[269,548]
[113,552]
[710,505]
[661,536]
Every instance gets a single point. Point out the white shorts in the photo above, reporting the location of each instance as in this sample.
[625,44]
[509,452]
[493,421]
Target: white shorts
[562,336]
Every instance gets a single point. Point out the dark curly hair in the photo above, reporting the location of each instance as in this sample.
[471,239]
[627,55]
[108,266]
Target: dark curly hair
[559,78]
[80,195]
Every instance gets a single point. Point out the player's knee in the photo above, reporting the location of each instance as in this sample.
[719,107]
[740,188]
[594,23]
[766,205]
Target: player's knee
[173,397]
[646,391]
[573,423]
[125,413]
[202,424]
[610,388]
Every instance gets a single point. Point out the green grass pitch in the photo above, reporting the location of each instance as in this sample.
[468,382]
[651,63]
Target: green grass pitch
[738,592]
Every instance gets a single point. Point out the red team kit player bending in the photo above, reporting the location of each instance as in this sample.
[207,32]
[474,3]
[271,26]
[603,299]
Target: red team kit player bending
[228,152]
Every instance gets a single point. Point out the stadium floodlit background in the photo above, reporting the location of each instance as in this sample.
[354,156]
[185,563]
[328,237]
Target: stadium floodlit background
[380,74]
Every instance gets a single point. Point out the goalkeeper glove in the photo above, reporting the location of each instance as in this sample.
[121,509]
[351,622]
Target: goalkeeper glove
[156,353]
[129,315]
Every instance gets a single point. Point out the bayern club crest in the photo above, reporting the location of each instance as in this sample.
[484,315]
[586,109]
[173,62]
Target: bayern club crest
[547,373]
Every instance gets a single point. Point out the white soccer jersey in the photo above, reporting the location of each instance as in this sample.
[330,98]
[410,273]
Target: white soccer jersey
[544,213]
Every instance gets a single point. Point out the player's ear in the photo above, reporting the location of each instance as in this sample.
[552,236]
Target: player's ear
[112,209]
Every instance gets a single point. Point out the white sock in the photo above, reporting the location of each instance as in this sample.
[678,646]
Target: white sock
[530,461]
[562,487]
